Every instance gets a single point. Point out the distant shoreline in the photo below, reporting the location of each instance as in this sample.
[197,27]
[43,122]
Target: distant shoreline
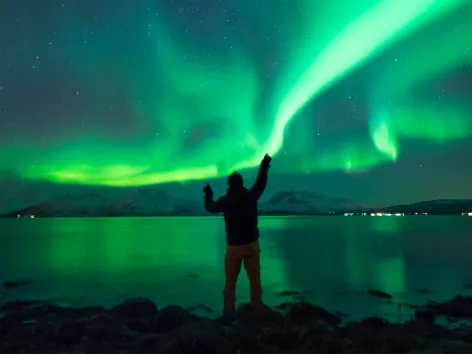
[220,215]
[156,203]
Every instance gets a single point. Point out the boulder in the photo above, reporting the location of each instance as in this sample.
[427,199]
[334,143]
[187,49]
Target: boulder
[305,313]
[203,337]
[281,339]
[459,307]
[246,314]
[104,328]
[379,294]
[172,317]
[135,308]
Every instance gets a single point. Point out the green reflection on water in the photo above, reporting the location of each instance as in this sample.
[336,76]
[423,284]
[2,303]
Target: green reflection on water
[180,260]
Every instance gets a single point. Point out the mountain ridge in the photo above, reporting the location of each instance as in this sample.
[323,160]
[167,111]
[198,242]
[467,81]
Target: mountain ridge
[432,207]
[152,201]
[149,201]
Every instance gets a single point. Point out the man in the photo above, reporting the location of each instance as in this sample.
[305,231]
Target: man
[239,206]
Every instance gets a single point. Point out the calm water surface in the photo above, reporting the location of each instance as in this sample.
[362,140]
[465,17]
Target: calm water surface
[180,260]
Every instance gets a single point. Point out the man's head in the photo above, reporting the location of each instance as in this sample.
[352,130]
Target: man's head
[235,180]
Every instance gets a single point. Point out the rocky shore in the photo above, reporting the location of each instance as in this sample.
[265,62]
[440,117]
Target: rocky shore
[138,326]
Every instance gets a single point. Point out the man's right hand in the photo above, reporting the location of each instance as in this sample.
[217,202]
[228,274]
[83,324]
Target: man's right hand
[266,160]
[207,190]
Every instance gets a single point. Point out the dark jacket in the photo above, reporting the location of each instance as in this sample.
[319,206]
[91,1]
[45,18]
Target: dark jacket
[239,206]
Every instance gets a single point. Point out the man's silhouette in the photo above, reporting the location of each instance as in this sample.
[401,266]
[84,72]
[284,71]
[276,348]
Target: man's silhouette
[239,206]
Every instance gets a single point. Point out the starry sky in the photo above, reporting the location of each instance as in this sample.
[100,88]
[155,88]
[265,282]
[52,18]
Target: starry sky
[367,99]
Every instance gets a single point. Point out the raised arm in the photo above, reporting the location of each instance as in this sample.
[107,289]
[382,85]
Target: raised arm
[210,205]
[261,181]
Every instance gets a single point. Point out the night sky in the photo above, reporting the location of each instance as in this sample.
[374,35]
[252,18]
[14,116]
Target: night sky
[368,99]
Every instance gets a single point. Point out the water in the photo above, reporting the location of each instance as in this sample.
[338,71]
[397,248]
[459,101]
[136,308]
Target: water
[334,260]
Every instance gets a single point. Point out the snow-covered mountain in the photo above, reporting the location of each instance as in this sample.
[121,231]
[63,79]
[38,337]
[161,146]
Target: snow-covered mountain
[151,201]
[135,202]
[301,202]
[441,206]
[15,195]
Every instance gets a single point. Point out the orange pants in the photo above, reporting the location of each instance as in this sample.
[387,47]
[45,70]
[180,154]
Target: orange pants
[235,256]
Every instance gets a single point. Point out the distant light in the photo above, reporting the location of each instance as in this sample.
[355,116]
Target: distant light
[32,216]
[372,214]
[470,214]
[19,216]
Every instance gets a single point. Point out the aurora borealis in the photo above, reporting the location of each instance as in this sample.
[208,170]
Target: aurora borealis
[130,93]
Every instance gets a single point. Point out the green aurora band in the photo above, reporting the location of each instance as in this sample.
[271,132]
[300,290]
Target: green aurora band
[323,51]
[411,118]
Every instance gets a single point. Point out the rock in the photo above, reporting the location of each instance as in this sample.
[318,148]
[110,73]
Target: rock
[284,338]
[225,321]
[362,337]
[35,314]
[378,334]
[464,335]
[246,340]
[424,291]
[172,317]
[321,327]
[150,343]
[19,304]
[407,305]
[37,327]
[70,331]
[281,339]
[204,337]
[404,343]
[86,312]
[354,330]
[284,305]
[19,333]
[459,307]
[374,323]
[340,314]
[288,293]
[139,314]
[300,298]
[424,330]
[246,314]
[135,308]
[380,294]
[426,316]
[139,325]
[305,312]
[104,328]
[16,284]
[204,308]
[327,344]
